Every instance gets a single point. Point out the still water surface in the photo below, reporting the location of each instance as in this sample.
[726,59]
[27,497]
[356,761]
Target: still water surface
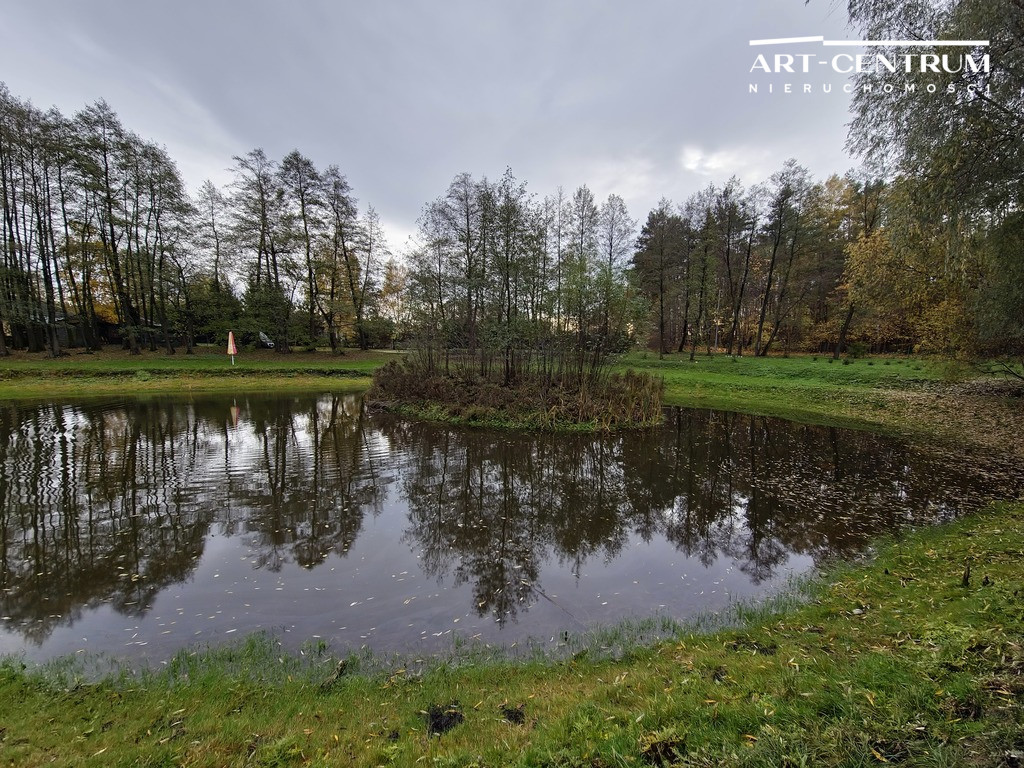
[138,527]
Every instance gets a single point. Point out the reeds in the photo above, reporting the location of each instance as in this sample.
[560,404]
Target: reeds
[543,391]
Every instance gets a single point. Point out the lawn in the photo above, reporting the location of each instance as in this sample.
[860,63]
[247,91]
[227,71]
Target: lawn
[114,372]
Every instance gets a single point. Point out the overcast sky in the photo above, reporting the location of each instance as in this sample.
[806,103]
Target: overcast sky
[642,98]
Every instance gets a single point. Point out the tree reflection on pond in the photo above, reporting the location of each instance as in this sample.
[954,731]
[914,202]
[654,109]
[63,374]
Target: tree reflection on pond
[113,504]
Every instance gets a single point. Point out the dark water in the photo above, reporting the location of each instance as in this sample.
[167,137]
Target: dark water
[138,527]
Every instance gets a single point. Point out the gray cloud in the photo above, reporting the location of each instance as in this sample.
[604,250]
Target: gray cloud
[645,99]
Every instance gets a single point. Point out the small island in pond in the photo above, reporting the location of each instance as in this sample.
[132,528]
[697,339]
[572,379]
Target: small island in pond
[543,392]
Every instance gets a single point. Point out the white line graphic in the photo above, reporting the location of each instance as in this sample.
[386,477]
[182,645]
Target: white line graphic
[859,43]
[908,43]
[784,40]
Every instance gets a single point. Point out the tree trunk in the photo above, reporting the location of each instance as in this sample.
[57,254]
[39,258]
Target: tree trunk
[764,308]
[734,333]
[4,351]
[841,343]
[700,307]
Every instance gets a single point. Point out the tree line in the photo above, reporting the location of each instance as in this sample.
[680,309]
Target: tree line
[752,270]
[948,263]
[102,243]
[846,264]
[919,249]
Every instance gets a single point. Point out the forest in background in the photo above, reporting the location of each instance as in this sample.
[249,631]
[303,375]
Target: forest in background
[102,243]
[919,249]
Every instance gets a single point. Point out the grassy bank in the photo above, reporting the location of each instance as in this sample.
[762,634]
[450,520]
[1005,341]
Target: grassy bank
[917,396]
[795,387]
[897,660]
[113,372]
[925,398]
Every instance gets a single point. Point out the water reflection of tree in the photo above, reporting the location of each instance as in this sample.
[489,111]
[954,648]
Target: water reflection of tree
[110,504]
[462,503]
[491,509]
[89,510]
[313,479]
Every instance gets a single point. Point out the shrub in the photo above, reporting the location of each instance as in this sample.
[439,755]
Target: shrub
[534,399]
[857,349]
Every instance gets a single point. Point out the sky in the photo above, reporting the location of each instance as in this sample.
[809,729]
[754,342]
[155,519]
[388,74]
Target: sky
[641,98]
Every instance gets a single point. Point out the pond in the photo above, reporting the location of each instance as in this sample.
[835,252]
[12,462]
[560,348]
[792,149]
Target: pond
[135,528]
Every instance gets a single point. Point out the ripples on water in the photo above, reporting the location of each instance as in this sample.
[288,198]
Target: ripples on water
[138,527]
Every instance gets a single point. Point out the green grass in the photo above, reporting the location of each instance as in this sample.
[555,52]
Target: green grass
[206,361]
[802,388]
[890,661]
[116,373]
[808,370]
